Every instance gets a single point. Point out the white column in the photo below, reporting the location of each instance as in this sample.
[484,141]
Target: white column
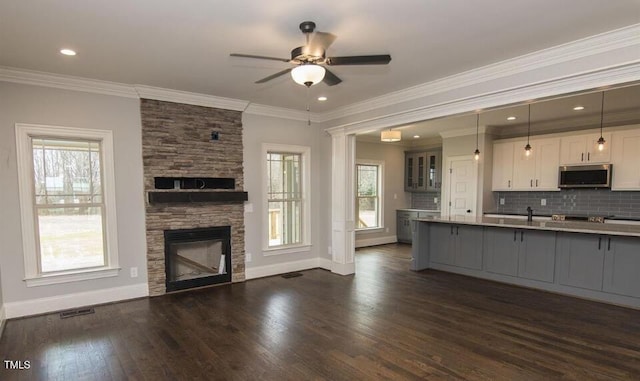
[343,157]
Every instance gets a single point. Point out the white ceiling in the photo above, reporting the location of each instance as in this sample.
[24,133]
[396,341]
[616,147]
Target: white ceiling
[186,45]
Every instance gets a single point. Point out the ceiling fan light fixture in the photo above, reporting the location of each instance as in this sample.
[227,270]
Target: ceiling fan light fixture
[308,74]
[390,136]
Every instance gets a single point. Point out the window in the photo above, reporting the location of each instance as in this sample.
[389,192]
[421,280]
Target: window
[67,201]
[368,190]
[287,199]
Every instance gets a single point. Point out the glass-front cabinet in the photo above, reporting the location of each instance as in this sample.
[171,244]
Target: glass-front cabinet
[422,171]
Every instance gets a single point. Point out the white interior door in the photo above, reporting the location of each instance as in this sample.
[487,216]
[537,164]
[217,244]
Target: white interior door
[463,180]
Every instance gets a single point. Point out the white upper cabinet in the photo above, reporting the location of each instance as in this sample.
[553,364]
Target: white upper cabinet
[503,166]
[626,160]
[547,164]
[513,170]
[583,149]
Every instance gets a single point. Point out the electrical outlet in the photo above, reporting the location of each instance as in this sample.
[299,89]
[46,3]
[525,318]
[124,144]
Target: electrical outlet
[134,272]
[247,257]
[386,230]
[329,250]
[501,201]
[543,202]
[435,200]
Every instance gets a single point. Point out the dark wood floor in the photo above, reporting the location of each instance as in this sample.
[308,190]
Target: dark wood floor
[384,323]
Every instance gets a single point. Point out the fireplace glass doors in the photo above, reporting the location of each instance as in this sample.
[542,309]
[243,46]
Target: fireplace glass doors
[197,257]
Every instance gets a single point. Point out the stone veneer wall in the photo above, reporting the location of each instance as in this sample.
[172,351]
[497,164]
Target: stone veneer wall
[176,142]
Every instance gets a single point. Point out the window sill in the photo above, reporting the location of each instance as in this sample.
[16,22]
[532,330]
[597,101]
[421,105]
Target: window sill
[379,229]
[286,250]
[74,276]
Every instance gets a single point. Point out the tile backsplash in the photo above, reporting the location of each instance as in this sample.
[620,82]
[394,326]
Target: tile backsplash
[595,202]
[425,200]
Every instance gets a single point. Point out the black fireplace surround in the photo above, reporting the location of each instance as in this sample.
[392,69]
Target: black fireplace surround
[197,257]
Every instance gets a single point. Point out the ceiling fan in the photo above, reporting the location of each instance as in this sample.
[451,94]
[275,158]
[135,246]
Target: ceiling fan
[311,59]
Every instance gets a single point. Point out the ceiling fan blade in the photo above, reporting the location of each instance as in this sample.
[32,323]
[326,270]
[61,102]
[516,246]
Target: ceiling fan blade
[273,76]
[381,59]
[319,43]
[259,57]
[330,79]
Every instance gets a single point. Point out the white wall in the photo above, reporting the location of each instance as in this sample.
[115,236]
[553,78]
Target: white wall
[393,184]
[49,106]
[262,129]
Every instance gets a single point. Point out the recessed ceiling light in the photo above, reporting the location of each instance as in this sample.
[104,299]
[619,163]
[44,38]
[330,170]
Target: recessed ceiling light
[416,136]
[511,118]
[322,99]
[578,108]
[68,52]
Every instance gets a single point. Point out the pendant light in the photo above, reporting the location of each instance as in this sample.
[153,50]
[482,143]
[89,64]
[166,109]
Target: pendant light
[527,148]
[601,141]
[391,136]
[476,154]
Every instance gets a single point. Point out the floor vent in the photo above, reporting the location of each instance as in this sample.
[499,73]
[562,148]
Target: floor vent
[76,312]
[291,275]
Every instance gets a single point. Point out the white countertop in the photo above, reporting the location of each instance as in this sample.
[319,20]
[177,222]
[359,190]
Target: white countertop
[566,226]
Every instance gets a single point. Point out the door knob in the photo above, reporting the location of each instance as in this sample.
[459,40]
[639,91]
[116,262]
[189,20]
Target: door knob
[468,210]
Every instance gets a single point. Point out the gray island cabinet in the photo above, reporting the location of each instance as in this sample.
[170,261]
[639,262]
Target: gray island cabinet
[594,261]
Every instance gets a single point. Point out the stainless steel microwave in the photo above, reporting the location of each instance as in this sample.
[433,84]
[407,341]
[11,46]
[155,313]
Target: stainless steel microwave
[585,176]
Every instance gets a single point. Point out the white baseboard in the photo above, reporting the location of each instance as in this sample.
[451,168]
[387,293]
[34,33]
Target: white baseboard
[325,263]
[376,241]
[343,268]
[286,267]
[80,299]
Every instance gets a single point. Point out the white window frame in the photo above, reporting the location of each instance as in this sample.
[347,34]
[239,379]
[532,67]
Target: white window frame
[24,150]
[305,166]
[380,165]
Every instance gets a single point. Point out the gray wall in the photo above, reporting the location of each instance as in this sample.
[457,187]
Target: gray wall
[597,202]
[394,196]
[40,105]
[262,129]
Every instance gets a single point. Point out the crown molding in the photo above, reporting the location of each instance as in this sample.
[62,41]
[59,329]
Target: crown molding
[626,72]
[589,46]
[280,112]
[189,98]
[65,82]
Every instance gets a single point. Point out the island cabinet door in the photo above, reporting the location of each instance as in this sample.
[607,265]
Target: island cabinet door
[581,260]
[501,251]
[537,255]
[468,251]
[622,266]
[442,243]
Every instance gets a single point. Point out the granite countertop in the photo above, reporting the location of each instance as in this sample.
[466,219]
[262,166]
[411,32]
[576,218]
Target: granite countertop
[566,226]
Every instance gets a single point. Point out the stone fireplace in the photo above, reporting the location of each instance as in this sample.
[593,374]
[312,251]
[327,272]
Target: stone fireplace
[199,149]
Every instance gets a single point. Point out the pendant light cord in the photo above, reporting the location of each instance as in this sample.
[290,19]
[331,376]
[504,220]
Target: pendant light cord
[477,129]
[602,114]
[529,124]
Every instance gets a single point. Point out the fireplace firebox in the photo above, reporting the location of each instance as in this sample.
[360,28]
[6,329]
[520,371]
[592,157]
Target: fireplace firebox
[197,257]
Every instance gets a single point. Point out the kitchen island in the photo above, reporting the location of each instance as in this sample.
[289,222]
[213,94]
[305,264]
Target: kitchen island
[584,259]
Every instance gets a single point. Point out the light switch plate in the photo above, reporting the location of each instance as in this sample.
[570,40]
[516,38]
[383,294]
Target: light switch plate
[134,272]
[247,257]
[543,202]
[435,200]
[501,201]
